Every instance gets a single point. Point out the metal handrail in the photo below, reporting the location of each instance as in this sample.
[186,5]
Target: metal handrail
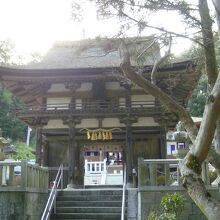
[52,197]
[123,195]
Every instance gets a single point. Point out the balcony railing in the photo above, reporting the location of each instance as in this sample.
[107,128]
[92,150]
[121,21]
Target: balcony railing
[89,107]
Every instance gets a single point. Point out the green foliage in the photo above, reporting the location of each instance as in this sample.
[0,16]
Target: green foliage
[197,101]
[23,152]
[172,206]
[152,215]
[11,127]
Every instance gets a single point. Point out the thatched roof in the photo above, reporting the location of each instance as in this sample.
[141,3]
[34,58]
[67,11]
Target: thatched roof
[96,53]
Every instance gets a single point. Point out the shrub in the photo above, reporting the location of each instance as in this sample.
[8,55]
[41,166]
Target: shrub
[172,203]
[172,206]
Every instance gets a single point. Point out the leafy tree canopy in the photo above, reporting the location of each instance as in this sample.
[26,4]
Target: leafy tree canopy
[11,126]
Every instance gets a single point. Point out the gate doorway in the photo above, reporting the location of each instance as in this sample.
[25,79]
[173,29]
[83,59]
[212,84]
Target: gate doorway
[103,164]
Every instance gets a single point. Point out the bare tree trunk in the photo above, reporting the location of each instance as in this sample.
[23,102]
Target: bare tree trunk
[217,137]
[195,187]
[208,42]
[191,168]
[216,3]
[208,125]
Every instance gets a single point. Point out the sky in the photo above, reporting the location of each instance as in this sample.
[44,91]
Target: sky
[34,25]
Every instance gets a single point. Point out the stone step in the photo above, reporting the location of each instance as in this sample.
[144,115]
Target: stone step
[103,203]
[91,192]
[90,198]
[104,210]
[87,216]
[88,204]
[103,187]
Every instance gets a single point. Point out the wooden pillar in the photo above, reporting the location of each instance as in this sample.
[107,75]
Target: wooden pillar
[129,152]
[45,154]
[163,143]
[38,124]
[74,155]
[38,144]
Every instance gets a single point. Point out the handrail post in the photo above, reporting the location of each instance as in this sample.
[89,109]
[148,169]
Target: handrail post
[123,195]
[54,206]
[62,176]
[51,202]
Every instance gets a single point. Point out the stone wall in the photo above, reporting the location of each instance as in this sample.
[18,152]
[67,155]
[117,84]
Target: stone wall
[150,199]
[22,205]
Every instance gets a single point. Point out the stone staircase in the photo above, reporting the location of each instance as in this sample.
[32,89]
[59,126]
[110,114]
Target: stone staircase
[88,204]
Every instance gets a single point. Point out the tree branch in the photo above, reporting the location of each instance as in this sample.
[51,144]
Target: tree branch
[147,48]
[160,28]
[208,125]
[160,61]
[208,42]
[165,99]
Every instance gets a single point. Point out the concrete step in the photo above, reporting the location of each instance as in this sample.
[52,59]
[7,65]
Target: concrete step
[90,192]
[87,216]
[103,203]
[89,198]
[103,186]
[89,204]
[104,210]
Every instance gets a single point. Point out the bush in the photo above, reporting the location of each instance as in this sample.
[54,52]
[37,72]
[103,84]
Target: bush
[172,203]
[172,206]
[23,152]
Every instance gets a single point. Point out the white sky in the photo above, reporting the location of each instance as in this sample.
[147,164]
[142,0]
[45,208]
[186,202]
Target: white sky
[34,25]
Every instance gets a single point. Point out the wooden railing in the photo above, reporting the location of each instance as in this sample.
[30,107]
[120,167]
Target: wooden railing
[95,167]
[163,172]
[91,107]
[22,175]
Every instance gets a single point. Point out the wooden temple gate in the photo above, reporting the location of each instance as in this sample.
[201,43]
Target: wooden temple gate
[61,99]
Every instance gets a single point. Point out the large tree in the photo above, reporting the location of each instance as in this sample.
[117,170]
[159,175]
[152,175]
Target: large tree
[197,16]
[11,127]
